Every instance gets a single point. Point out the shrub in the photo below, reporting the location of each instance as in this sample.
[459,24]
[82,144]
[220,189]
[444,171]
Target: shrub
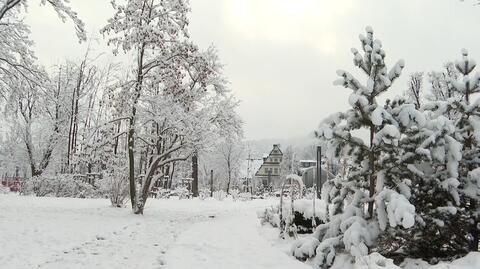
[115,187]
[60,186]
[235,193]
[219,195]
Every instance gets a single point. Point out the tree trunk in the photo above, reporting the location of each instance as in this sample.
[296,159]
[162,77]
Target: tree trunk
[229,178]
[131,162]
[28,144]
[473,204]
[131,132]
[115,146]
[170,178]
[195,174]
[70,129]
[372,171]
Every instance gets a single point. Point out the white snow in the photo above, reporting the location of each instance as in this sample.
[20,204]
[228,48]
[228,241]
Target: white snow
[87,233]
[389,135]
[394,208]
[377,116]
[376,261]
[177,234]
[372,261]
[471,261]
[228,243]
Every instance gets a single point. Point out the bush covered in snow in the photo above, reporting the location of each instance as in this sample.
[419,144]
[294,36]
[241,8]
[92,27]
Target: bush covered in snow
[59,186]
[204,193]
[245,196]
[4,190]
[235,194]
[372,261]
[181,192]
[219,195]
[301,220]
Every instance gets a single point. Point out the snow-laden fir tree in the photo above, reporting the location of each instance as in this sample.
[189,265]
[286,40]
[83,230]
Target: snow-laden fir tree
[445,180]
[462,105]
[441,84]
[424,165]
[372,197]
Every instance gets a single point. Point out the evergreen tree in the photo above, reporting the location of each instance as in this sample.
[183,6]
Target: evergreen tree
[372,182]
[425,163]
[464,110]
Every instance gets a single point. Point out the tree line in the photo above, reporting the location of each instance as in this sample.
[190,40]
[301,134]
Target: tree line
[133,121]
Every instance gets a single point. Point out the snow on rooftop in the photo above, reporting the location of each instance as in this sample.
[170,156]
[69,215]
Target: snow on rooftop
[308,161]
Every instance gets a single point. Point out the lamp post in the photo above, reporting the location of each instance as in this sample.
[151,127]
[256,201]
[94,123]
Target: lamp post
[318,174]
[211,183]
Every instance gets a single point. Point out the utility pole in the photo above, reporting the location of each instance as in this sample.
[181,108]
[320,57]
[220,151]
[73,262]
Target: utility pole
[250,173]
[318,174]
[211,183]
[268,179]
[249,160]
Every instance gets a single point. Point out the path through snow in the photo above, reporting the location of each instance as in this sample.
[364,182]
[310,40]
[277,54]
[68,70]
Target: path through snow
[51,233]
[229,242]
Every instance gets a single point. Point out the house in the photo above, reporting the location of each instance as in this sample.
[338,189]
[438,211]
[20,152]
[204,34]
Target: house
[268,175]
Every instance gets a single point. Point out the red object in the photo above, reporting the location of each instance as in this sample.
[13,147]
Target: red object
[13,185]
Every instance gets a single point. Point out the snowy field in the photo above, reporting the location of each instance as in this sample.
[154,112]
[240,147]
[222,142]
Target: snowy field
[82,233]
[177,234]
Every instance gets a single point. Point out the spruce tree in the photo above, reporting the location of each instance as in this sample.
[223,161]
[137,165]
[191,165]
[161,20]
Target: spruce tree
[463,108]
[373,196]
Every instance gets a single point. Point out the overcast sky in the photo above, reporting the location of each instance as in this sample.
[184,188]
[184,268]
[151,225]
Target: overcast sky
[281,55]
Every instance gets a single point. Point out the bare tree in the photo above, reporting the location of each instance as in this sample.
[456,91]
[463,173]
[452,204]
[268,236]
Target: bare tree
[231,152]
[414,88]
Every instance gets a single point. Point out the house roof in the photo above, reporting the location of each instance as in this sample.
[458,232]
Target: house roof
[276,151]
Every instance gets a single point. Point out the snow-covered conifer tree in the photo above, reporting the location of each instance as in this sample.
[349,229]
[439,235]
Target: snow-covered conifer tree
[372,197]
[463,107]
[420,165]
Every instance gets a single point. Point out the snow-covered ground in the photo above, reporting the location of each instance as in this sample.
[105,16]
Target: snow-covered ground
[87,233]
[173,234]
[230,242]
